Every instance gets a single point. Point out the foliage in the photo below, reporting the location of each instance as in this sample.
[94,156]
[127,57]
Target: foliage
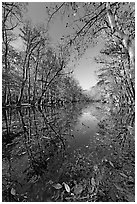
[38,69]
[92,22]
[115,77]
[36,164]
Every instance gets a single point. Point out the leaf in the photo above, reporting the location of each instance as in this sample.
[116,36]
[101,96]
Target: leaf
[57,186]
[111,163]
[13,191]
[90,190]
[78,189]
[23,153]
[131,179]
[66,187]
[93,182]
[122,174]
[50,182]
[95,167]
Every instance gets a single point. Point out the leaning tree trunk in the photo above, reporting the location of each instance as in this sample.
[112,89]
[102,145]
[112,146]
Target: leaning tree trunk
[128,46]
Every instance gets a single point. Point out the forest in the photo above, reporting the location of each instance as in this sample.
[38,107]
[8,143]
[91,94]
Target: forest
[43,104]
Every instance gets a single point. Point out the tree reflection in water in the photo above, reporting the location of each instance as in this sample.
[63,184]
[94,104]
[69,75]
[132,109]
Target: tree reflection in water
[34,143]
[35,153]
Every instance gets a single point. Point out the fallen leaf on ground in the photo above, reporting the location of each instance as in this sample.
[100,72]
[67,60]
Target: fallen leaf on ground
[93,182]
[111,163]
[66,187]
[57,186]
[13,191]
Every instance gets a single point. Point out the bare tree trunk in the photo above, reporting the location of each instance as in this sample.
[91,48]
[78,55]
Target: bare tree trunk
[29,50]
[6,65]
[25,77]
[35,80]
[29,86]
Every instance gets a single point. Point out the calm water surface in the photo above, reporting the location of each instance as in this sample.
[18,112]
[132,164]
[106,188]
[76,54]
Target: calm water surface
[84,129]
[35,142]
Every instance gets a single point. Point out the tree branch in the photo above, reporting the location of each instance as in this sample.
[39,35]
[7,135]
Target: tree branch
[55,13]
[125,39]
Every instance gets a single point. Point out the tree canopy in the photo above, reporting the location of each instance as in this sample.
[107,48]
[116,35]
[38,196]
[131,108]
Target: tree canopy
[39,66]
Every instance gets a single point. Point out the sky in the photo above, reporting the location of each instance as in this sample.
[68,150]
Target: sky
[85,68]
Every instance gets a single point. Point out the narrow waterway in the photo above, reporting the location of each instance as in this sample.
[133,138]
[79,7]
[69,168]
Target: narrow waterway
[37,143]
[84,130]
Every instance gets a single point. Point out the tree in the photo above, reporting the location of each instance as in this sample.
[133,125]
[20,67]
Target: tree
[11,16]
[112,21]
[113,74]
[127,39]
[32,39]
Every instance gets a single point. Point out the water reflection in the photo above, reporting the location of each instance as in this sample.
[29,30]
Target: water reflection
[34,144]
[38,144]
[84,130]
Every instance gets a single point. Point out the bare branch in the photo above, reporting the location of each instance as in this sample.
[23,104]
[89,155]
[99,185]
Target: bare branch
[12,27]
[55,13]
